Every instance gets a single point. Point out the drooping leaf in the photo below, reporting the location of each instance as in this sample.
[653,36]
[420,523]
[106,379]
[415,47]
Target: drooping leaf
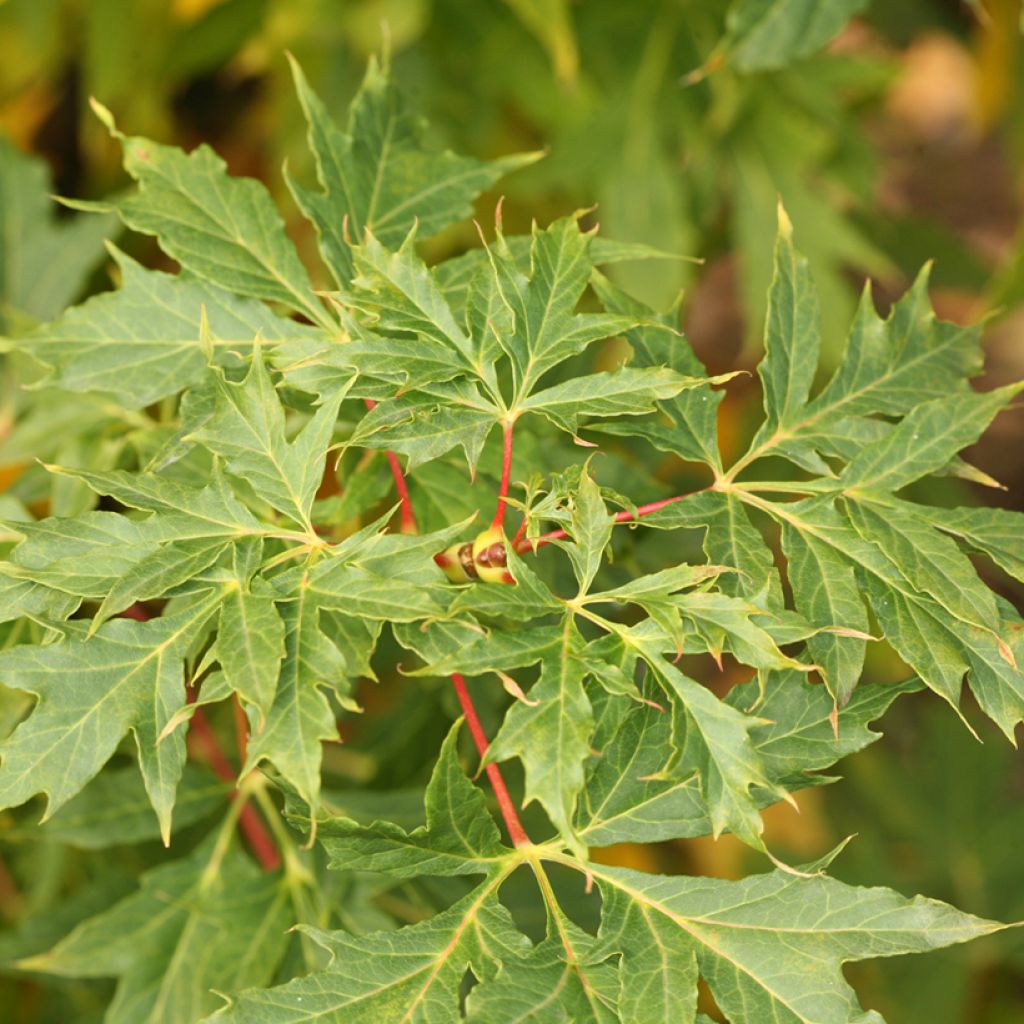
[215,900]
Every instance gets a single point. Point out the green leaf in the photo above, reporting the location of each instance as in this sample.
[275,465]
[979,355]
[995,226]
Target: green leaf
[771,947]
[659,584]
[658,969]
[550,733]
[792,337]
[459,837]
[942,649]
[545,328]
[825,590]
[401,295]
[169,567]
[142,343]
[129,676]
[247,428]
[26,598]
[412,973]
[925,440]
[693,434]
[223,229]
[889,367]
[713,742]
[590,527]
[85,556]
[215,900]
[559,979]
[894,364]
[208,511]
[929,560]
[496,652]
[630,796]
[730,539]
[429,423]
[625,392]
[997,532]
[301,716]
[250,634]
[379,176]
[365,594]
[803,731]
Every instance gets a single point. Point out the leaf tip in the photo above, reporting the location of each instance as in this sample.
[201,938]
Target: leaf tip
[785,224]
[105,116]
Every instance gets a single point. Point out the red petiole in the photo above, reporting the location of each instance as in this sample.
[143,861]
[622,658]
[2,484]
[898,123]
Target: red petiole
[408,516]
[506,470]
[515,828]
[523,545]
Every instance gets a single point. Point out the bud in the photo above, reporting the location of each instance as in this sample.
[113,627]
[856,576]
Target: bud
[491,557]
[456,563]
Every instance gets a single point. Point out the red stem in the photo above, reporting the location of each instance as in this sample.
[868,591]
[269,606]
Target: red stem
[408,516]
[506,470]
[515,828]
[620,517]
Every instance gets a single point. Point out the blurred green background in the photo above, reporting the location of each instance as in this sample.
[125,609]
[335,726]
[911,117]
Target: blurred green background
[893,133]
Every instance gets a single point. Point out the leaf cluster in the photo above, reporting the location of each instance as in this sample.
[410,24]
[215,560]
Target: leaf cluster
[232,541]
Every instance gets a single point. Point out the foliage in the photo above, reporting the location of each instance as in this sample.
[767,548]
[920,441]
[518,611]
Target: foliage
[222,534]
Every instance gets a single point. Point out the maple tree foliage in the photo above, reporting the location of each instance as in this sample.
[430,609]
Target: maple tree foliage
[219,399]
